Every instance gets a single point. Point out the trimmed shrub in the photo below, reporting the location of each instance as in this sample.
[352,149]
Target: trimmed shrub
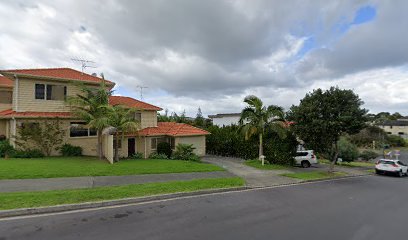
[157,156]
[348,152]
[368,155]
[137,155]
[6,148]
[70,150]
[164,148]
[280,150]
[31,153]
[185,152]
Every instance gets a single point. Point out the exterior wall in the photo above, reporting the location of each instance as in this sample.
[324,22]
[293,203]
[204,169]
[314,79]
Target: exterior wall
[149,119]
[107,142]
[140,146]
[225,121]
[396,130]
[88,144]
[25,101]
[197,141]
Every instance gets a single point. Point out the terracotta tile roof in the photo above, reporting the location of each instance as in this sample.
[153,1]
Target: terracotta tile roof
[9,113]
[131,102]
[62,73]
[172,129]
[5,82]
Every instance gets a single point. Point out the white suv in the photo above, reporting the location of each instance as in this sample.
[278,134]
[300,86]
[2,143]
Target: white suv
[305,158]
[391,166]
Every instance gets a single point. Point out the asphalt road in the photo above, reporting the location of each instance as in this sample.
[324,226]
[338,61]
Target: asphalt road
[371,207]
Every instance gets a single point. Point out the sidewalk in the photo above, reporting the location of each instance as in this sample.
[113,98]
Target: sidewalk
[46,184]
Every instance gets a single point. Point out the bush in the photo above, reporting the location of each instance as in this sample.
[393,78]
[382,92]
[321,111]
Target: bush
[158,156]
[70,150]
[348,152]
[5,148]
[280,150]
[368,155]
[185,152]
[137,155]
[164,148]
[395,141]
[31,153]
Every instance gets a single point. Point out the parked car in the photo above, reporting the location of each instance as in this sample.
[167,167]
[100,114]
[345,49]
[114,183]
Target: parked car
[384,166]
[305,158]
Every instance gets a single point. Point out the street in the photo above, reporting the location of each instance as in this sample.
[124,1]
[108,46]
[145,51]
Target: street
[370,207]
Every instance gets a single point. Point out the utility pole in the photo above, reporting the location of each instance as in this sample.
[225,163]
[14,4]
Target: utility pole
[141,91]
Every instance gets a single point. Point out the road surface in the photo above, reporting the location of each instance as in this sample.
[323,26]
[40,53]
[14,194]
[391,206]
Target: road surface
[370,207]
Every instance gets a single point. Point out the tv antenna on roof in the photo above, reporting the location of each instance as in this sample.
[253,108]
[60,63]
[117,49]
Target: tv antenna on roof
[84,63]
[141,91]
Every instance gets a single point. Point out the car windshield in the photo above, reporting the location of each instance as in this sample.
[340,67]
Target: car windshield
[386,162]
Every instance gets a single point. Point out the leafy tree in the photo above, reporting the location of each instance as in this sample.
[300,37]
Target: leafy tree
[323,116]
[123,120]
[347,150]
[256,117]
[45,135]
[165,117]
[91,105]
[368,135]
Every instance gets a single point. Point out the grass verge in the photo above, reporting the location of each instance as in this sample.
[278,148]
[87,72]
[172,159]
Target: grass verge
[349,164]
[51,167]
[49,198]
[314,175]
[267,166]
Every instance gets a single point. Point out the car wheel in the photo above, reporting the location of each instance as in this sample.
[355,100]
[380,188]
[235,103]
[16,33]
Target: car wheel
[376,171]
[305,164]
[400,174]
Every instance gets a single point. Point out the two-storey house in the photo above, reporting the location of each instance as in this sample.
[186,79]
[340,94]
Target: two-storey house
[33,95]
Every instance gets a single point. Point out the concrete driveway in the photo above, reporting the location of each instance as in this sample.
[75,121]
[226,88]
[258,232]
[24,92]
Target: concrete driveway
[253,177]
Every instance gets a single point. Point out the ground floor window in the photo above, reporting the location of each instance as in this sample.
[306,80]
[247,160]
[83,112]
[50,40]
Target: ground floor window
[79,129]
[119,141]
[156,141]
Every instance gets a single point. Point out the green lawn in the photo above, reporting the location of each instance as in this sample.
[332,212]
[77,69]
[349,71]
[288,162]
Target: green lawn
[49,198]
[258,164]
[349,164]
[50,167]
[313,175]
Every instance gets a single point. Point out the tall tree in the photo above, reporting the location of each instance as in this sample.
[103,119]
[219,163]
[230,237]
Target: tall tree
[123,120]
[323,116]
[91,105]
[256,117]
[199,120]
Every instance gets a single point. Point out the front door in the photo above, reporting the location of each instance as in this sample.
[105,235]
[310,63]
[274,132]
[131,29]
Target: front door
[131,147]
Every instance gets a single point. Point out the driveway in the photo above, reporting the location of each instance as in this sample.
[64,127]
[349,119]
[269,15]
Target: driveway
[253,177]
[362,208]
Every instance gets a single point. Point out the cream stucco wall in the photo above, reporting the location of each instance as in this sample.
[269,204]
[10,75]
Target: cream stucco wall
[149,119]
[3,127]
[5,106]
[396,130]
[197,141]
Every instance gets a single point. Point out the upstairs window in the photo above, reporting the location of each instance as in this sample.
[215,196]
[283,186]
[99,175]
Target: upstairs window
[50,92]
[138,117]
[6,97]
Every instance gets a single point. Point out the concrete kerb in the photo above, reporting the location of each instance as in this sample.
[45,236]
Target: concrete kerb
[125,201]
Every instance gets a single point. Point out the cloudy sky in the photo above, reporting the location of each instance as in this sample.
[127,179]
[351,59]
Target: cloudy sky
[212,53]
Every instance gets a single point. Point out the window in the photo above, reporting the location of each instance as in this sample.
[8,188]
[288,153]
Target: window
[389,132]
[79,129]
[50,92]
[156,141]
[138,117]
[39,91]
[301,154]
[401,163]
[401,133]
[6,97]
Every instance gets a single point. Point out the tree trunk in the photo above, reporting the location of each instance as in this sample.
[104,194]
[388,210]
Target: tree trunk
[116,157]
[99,145]
[261,148]
[335,155]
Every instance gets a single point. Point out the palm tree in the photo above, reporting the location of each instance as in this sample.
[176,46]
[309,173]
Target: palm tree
[91,105]
[123,120]
[256,118]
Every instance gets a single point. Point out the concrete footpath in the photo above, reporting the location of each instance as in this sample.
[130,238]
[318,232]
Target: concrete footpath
[46,184]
